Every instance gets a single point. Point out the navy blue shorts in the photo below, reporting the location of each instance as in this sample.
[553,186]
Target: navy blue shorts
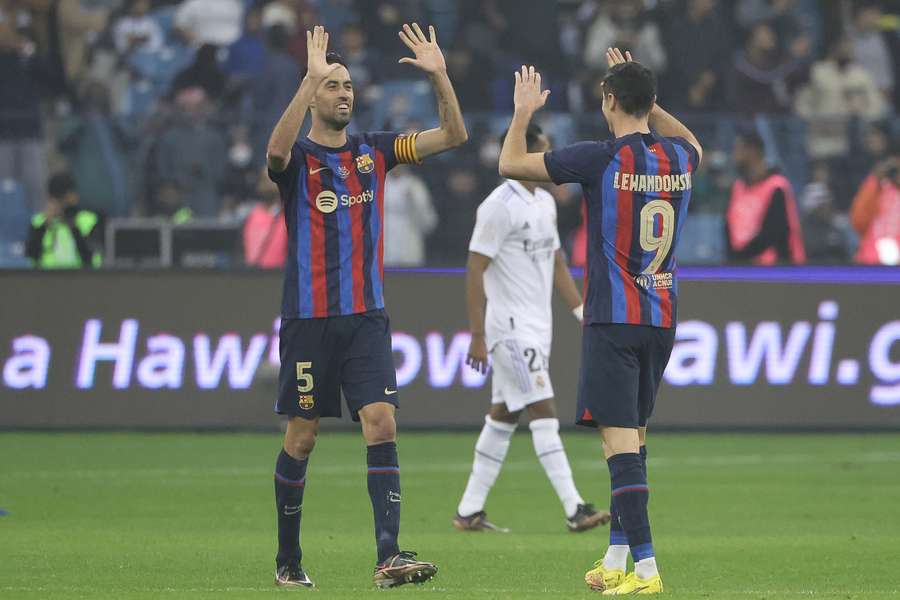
[322,357]
[621,369]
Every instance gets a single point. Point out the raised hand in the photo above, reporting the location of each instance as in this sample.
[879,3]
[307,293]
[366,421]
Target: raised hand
[428,55]
[615,57]
[528,95]
[316,48]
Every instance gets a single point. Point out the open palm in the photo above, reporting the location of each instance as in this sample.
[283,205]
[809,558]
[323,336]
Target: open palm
[428,55]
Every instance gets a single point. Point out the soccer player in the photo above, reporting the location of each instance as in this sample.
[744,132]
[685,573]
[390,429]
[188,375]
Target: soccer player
[637,189]
[515,261]
[335,334]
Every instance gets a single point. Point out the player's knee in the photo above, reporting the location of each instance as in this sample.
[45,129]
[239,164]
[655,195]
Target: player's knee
[544,409]
[300,444]
[380,429]
[500,413]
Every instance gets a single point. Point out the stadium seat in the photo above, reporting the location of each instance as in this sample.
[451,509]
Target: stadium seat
[14,224]
[702,240]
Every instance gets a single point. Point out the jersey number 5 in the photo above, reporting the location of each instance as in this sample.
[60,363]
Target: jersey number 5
[651,241]
[304,379]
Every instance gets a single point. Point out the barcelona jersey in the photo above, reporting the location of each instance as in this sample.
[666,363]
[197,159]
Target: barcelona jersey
[637,189]
[334,210]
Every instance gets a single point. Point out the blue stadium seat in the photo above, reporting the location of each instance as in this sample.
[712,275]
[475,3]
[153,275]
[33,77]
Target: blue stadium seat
[14,224]
[702,240]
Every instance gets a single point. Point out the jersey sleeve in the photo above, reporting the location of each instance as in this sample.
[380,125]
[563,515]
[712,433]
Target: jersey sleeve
[492,224]
[578,163]
[289,175]
[397,148]
[693,156]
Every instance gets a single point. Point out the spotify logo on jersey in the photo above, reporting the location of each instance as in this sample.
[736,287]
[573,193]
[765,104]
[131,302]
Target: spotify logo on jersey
[326,201]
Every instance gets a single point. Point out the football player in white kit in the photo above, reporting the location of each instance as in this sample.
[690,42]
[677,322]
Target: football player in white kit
[514,263]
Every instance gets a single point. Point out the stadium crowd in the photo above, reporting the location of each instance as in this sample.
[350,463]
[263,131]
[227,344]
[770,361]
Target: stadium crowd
[162,108]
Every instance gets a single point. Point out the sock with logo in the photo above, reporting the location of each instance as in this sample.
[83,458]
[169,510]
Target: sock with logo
[630,495]
[384,490]
[490,452]
[290,479]
[550,451]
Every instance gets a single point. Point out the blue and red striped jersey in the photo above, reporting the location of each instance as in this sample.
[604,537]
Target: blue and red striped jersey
[334,210]
[637,189]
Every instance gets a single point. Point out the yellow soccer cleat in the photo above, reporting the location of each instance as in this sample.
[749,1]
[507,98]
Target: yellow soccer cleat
[600,578]
[635,585]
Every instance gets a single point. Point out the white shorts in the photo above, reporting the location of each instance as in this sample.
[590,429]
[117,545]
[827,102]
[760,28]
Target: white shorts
[520,374]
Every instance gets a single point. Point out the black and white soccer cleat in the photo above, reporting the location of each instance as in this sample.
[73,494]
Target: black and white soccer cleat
[402,568]
[292,576]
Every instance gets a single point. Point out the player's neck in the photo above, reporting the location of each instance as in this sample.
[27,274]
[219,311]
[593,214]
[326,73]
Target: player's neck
[528,185]
[326,136]
[628,125]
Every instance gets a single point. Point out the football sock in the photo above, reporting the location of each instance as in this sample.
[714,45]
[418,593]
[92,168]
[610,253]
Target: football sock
[290,479]
[630,495]
[643,453]
[490,452]
[550,451]
[384,490]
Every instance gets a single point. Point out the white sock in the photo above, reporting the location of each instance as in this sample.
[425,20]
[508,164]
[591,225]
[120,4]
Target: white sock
[550,451]
[616,557]
[646,568]
[490,452]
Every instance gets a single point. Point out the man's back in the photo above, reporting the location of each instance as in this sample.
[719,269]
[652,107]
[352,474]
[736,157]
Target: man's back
[637,190]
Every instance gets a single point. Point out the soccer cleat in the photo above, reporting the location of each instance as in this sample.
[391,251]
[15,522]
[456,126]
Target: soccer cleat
[600,578]
[476,522]
[292,576]
[586,517]
[635,585]
[402,568]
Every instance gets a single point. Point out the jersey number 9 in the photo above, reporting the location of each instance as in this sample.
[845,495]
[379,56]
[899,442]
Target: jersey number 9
[651,241]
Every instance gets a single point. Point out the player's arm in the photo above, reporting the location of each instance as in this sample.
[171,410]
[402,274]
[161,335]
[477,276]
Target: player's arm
[475,303]
[663,122]
[428,57]
[565,285]
[515,160]
[278,152]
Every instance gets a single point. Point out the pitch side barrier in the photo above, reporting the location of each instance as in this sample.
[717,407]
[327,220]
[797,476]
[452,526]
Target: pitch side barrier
[772,348]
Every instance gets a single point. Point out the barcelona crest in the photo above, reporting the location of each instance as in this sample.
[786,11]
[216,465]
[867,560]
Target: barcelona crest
[365,164]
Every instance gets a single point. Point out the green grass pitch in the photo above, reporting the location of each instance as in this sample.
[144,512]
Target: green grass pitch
[191,516]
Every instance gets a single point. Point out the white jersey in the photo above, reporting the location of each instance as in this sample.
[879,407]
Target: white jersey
[517,231]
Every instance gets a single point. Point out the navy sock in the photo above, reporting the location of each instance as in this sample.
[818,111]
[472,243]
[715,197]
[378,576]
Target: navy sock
[630,495]
[617,535]
[384,490]
[643,452]
[290,479]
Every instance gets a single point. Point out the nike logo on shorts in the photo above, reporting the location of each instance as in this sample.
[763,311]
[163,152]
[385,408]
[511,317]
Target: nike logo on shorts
[388,392]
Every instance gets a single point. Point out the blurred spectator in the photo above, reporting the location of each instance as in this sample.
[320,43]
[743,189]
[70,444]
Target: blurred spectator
[76,28]
[762,74]
[247,56]
[170,204]
[623,25]
[795,22]
[363,62]
[205,73]
[870,46]
[136,28]
[702,42]
[761,222]
[409,217]
[466,70]
[876,214]
[265,232]
[828,236]
[839,88]
[215,22]
[460,195]
[97,146]
[64,235]
[191,152]
[870,144]
[23,79]
[272,89]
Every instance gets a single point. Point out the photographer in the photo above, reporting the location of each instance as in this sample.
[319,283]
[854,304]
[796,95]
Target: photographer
[875,214]
[64,236]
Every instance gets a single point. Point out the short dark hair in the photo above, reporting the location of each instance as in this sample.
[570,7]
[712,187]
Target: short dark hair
[60,184]
[751,138]
[333,58]
[634,87]
[532,136]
